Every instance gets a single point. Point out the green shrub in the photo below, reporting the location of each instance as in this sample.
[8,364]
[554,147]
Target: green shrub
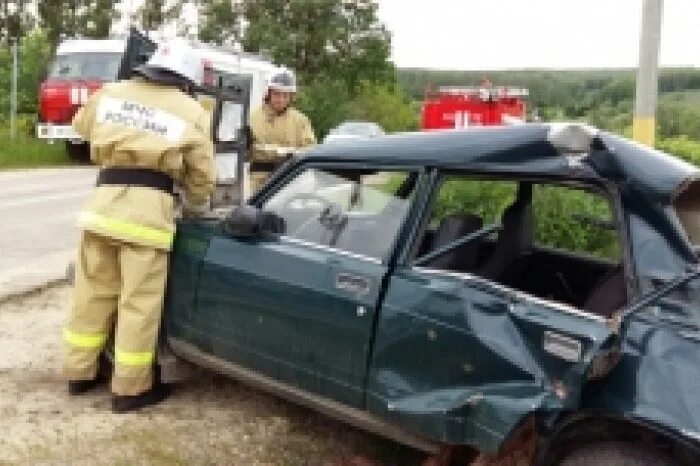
[682,147]
[486,199]
[571,219]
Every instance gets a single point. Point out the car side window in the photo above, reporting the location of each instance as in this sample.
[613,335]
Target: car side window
[358,211]
[575,220]
[555,241]
[462,206]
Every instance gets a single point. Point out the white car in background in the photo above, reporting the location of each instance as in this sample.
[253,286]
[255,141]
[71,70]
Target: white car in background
[354,130]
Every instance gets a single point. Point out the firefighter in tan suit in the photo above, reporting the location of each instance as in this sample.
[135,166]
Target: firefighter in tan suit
[278,129]
[146,134]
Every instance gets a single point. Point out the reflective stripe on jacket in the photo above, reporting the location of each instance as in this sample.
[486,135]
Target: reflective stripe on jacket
[140,124]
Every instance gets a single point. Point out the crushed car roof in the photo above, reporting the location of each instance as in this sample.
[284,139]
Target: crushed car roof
[646,180]
[524,150]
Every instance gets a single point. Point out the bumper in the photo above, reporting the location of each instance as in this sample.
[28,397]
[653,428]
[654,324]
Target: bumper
[49,131]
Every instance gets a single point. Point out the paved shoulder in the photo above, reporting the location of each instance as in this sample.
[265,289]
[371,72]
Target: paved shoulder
[37,232]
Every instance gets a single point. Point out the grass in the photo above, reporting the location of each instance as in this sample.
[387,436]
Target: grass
[29,152]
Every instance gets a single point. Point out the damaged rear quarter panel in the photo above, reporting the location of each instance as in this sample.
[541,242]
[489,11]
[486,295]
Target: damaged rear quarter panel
[656,379]
[463,361]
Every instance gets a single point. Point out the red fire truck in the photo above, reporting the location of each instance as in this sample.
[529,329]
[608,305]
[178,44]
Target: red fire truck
[462,107]
[79,68]
[82,66]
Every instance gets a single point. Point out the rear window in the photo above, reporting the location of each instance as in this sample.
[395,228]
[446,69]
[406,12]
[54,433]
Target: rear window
[93,65]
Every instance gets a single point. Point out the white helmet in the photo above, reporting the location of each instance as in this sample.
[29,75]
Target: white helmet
[178,57]
[283,81]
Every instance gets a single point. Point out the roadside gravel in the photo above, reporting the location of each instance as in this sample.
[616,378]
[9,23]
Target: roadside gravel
[212,420]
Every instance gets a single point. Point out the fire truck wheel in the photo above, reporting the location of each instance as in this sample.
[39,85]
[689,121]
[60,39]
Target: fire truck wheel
[79,153]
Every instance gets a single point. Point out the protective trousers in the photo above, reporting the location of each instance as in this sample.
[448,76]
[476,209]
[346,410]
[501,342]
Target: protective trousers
[126,281]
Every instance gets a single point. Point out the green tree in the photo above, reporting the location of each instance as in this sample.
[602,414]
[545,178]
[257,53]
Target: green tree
[15,19]
[682,147]
[98,17]
[155,13]
[384,104]
[324,101]
[87,18]
[336,39]
[220,21]
[34,53]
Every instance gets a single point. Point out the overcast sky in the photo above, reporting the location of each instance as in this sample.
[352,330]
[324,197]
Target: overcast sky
[498,34]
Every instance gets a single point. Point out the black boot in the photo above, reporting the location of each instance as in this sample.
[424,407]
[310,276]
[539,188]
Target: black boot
[78,387]
[104,374]
[124,404]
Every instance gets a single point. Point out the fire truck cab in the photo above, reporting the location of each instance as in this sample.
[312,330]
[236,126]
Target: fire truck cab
[80,67]
[462,107]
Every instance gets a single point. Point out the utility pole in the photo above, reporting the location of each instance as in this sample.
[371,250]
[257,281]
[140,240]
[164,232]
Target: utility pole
[644,123]
[13,96]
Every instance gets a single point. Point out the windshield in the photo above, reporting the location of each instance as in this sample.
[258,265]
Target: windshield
[92,65]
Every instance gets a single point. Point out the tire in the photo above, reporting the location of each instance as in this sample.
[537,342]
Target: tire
[79,153]
[617,454]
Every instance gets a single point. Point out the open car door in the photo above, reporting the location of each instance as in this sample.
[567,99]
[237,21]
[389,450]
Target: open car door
[139,49]
[228,99]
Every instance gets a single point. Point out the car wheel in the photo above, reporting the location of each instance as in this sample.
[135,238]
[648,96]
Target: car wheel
[617,454]
[79,153]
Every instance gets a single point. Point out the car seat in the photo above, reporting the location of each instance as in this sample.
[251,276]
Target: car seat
[451,228]
[514,242]
[609,294]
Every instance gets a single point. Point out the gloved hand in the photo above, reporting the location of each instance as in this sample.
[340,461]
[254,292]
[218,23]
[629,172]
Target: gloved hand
[192,211]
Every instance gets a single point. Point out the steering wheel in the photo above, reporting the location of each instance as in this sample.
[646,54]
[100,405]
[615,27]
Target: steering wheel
[322,202]
[330,213]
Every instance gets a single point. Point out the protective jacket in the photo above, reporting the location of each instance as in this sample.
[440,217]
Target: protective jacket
[139,124]
[290,129]
[159,133]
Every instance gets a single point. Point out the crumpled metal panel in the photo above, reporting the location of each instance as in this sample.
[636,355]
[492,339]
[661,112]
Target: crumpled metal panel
[647,180]
[462,361]
[657,378]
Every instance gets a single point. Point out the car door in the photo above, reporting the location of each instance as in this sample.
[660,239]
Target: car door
[301,308]
[465,359]
[227,99]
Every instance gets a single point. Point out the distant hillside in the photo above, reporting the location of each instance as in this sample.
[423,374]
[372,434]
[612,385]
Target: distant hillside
[552,87]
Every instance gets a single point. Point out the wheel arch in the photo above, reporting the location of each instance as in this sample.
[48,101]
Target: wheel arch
[575,430]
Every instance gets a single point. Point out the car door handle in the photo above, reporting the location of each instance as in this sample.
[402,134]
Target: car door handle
[352,283]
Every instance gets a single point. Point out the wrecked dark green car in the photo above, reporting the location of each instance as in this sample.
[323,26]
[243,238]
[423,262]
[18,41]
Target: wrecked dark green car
[527,287]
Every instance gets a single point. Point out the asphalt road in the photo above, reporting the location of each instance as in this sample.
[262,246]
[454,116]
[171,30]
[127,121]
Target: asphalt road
[38,209]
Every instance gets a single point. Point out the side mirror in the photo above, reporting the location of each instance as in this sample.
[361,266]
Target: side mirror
[253,223]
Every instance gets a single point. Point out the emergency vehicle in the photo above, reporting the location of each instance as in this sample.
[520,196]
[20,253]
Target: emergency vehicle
[82,66]
[462,107]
